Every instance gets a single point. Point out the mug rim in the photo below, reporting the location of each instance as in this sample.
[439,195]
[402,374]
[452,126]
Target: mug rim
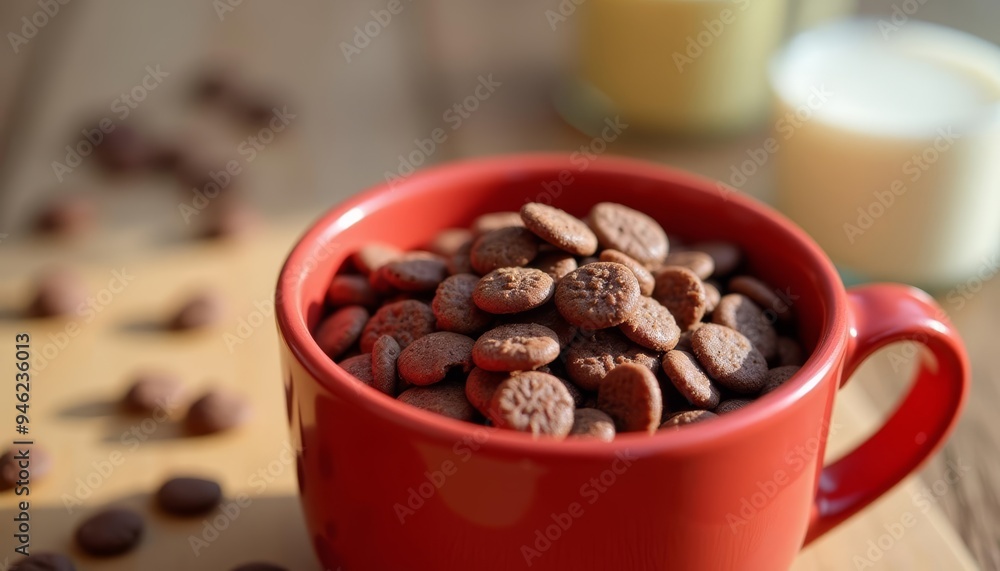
[297,337]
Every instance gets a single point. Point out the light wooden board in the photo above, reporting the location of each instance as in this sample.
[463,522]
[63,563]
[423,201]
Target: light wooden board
[72,414]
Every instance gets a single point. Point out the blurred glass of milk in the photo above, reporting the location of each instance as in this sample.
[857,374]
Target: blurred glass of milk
[890,152]
[687,66]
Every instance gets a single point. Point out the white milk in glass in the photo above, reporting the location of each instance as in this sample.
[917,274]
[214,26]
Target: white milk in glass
[895,170]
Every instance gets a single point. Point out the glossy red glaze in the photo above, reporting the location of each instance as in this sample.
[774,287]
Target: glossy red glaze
[389,487]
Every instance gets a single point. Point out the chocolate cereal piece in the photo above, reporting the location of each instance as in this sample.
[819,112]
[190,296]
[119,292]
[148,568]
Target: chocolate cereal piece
[556,264]
[680,291]
[726,256]
[515,347]
[731,405]
[559,228]
[689,379]
[431,358]
[13,465]
[712,296]
[351,290]
[447,399]
[373,256]
[201,310]
[777,377]
[71,215]
[598,295]
[58,293]
[642,275]
[187,496]
[652,326]
[406,320]
[513,246]
[481,385]
[513,290]
[628,231]
[698,262]
[449,241]
[589,360]
[153,391]
[729,358]
[340,330]
[460,262]
[495,221]
[454,308]
[414,274]
[684,418]
[216,411]
[44,561]
[789,352]
[533,402]
[630,394]
[763,295]
[360,367]
[385,354]
[592,423]
[737,312]
[110,532]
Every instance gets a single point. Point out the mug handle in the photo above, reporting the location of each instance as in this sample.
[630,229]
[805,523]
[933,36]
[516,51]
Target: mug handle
[878,315]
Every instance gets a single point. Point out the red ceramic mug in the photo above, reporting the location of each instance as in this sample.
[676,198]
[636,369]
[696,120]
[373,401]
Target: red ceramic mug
[388,487]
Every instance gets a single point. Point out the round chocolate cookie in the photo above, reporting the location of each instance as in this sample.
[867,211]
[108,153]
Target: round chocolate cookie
[549,316]
[153,391]
[513,290]
[698,262]
[515,347]
[684,418]
[556,264]
[111,532]
[763,295]
[592,423]
[726,257]
[690,380]
[447,399]
[630,394]
[385,354]
[431,358]
[189,496]
[777,377]
[373,256]
[712,296]
[351,290]
[533,402]
[481,385]
[513,246]
[360,367]
[340,330]
[737,312]
[680,291]
[729,358]
[731,405]
[422,273]
[628,231]
[460,262]
[652,326]
[216,411]
[495,221]
[598,295]
[590,359]
[202,310]
[454,308]
[44,561]
[58,293]
[406,320]
[642,275]
[559,228]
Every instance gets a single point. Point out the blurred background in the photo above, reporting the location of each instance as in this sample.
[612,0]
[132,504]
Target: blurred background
[192,141]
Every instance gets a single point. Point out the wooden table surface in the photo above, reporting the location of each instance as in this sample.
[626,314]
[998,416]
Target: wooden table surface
[353,120]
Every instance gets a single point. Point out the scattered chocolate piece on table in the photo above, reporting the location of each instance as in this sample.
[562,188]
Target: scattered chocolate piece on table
[187,496]
[58,293]
[110,532]
[200,311]
[44,561]
[71,215]
[216,411]
[153,391]
[12,460]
